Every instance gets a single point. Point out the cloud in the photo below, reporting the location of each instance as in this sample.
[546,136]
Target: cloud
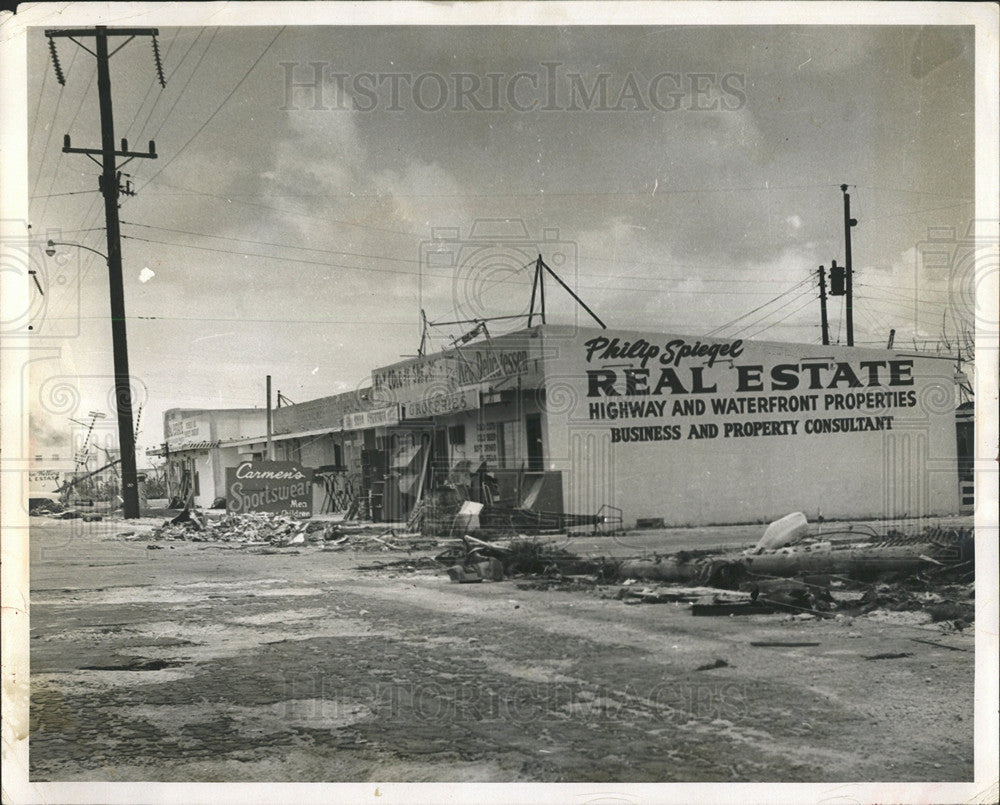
[44,432]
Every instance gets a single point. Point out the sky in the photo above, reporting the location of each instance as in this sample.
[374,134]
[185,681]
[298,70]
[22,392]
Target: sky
[681,180]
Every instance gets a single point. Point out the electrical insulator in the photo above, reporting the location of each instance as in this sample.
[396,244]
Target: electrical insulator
[55,63]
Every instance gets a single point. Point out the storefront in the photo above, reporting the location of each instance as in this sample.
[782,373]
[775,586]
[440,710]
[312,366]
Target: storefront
[478,415]
[571,420]
[326,435]
[690,431]
[200,443]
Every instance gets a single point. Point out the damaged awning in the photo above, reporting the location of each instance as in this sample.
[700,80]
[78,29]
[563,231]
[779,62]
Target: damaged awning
[205,445]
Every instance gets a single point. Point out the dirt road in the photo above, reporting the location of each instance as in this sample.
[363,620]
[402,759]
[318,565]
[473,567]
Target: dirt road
[202,662]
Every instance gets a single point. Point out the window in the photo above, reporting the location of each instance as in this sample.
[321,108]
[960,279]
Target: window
[456,434]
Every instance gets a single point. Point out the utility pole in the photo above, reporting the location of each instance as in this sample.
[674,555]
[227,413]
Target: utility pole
[824,325]
[109,188]
[270,444]
[849,285]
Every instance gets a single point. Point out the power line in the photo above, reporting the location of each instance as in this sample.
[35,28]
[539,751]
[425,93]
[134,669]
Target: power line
[79,108]
[55,114]
[241,319]
[533,194]
[38,105]
[905,190]
[153,82]
[759,307]
[190,77]
[284,211]
[412,261]
[71,193]
[775,324]
[236,199]
[219,108]
[804,292]
[374,269]
[917,212]
[109,189]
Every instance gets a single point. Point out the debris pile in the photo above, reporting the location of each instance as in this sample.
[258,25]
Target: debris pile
[929,575]
[262,529]
[39,507]
[473,559]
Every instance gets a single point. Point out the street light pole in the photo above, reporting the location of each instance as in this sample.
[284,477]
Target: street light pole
[123,389]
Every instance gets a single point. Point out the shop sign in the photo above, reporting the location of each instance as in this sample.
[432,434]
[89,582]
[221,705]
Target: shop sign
[277,487]
[487,444]
[457,368]
[377,417]
[677,390]
[186,431]
[43,478]
[464,400]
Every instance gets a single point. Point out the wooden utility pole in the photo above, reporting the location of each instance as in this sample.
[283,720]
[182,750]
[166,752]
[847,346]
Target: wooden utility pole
[109,189]
[848,268]
[824,325]
[270,444]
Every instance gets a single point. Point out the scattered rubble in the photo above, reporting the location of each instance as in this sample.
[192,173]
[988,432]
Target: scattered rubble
[255,530]
[39,507]
[921,578]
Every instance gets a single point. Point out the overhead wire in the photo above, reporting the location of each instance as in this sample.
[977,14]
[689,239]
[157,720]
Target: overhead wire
[417,261]
[759,307]
[375,269]
[795,298]
[93,210]
[779,321]
[218,109]
[52,126]
[153,82]
[194,71]
[55,172]
[236,199]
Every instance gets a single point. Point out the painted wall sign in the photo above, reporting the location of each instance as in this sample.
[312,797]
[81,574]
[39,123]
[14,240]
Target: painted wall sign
[278,487]
[461,368]
[464,400]
[767,427]
[377,417]
[486,446]
[45,480]
[186,430]
[669,389]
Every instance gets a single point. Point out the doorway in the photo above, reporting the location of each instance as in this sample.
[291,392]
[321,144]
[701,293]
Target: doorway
[533,433]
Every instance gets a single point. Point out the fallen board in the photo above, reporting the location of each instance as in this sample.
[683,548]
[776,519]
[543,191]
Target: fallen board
[751,608]
[781,644]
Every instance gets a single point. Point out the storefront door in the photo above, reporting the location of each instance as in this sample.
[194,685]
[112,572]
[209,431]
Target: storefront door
[533,432]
